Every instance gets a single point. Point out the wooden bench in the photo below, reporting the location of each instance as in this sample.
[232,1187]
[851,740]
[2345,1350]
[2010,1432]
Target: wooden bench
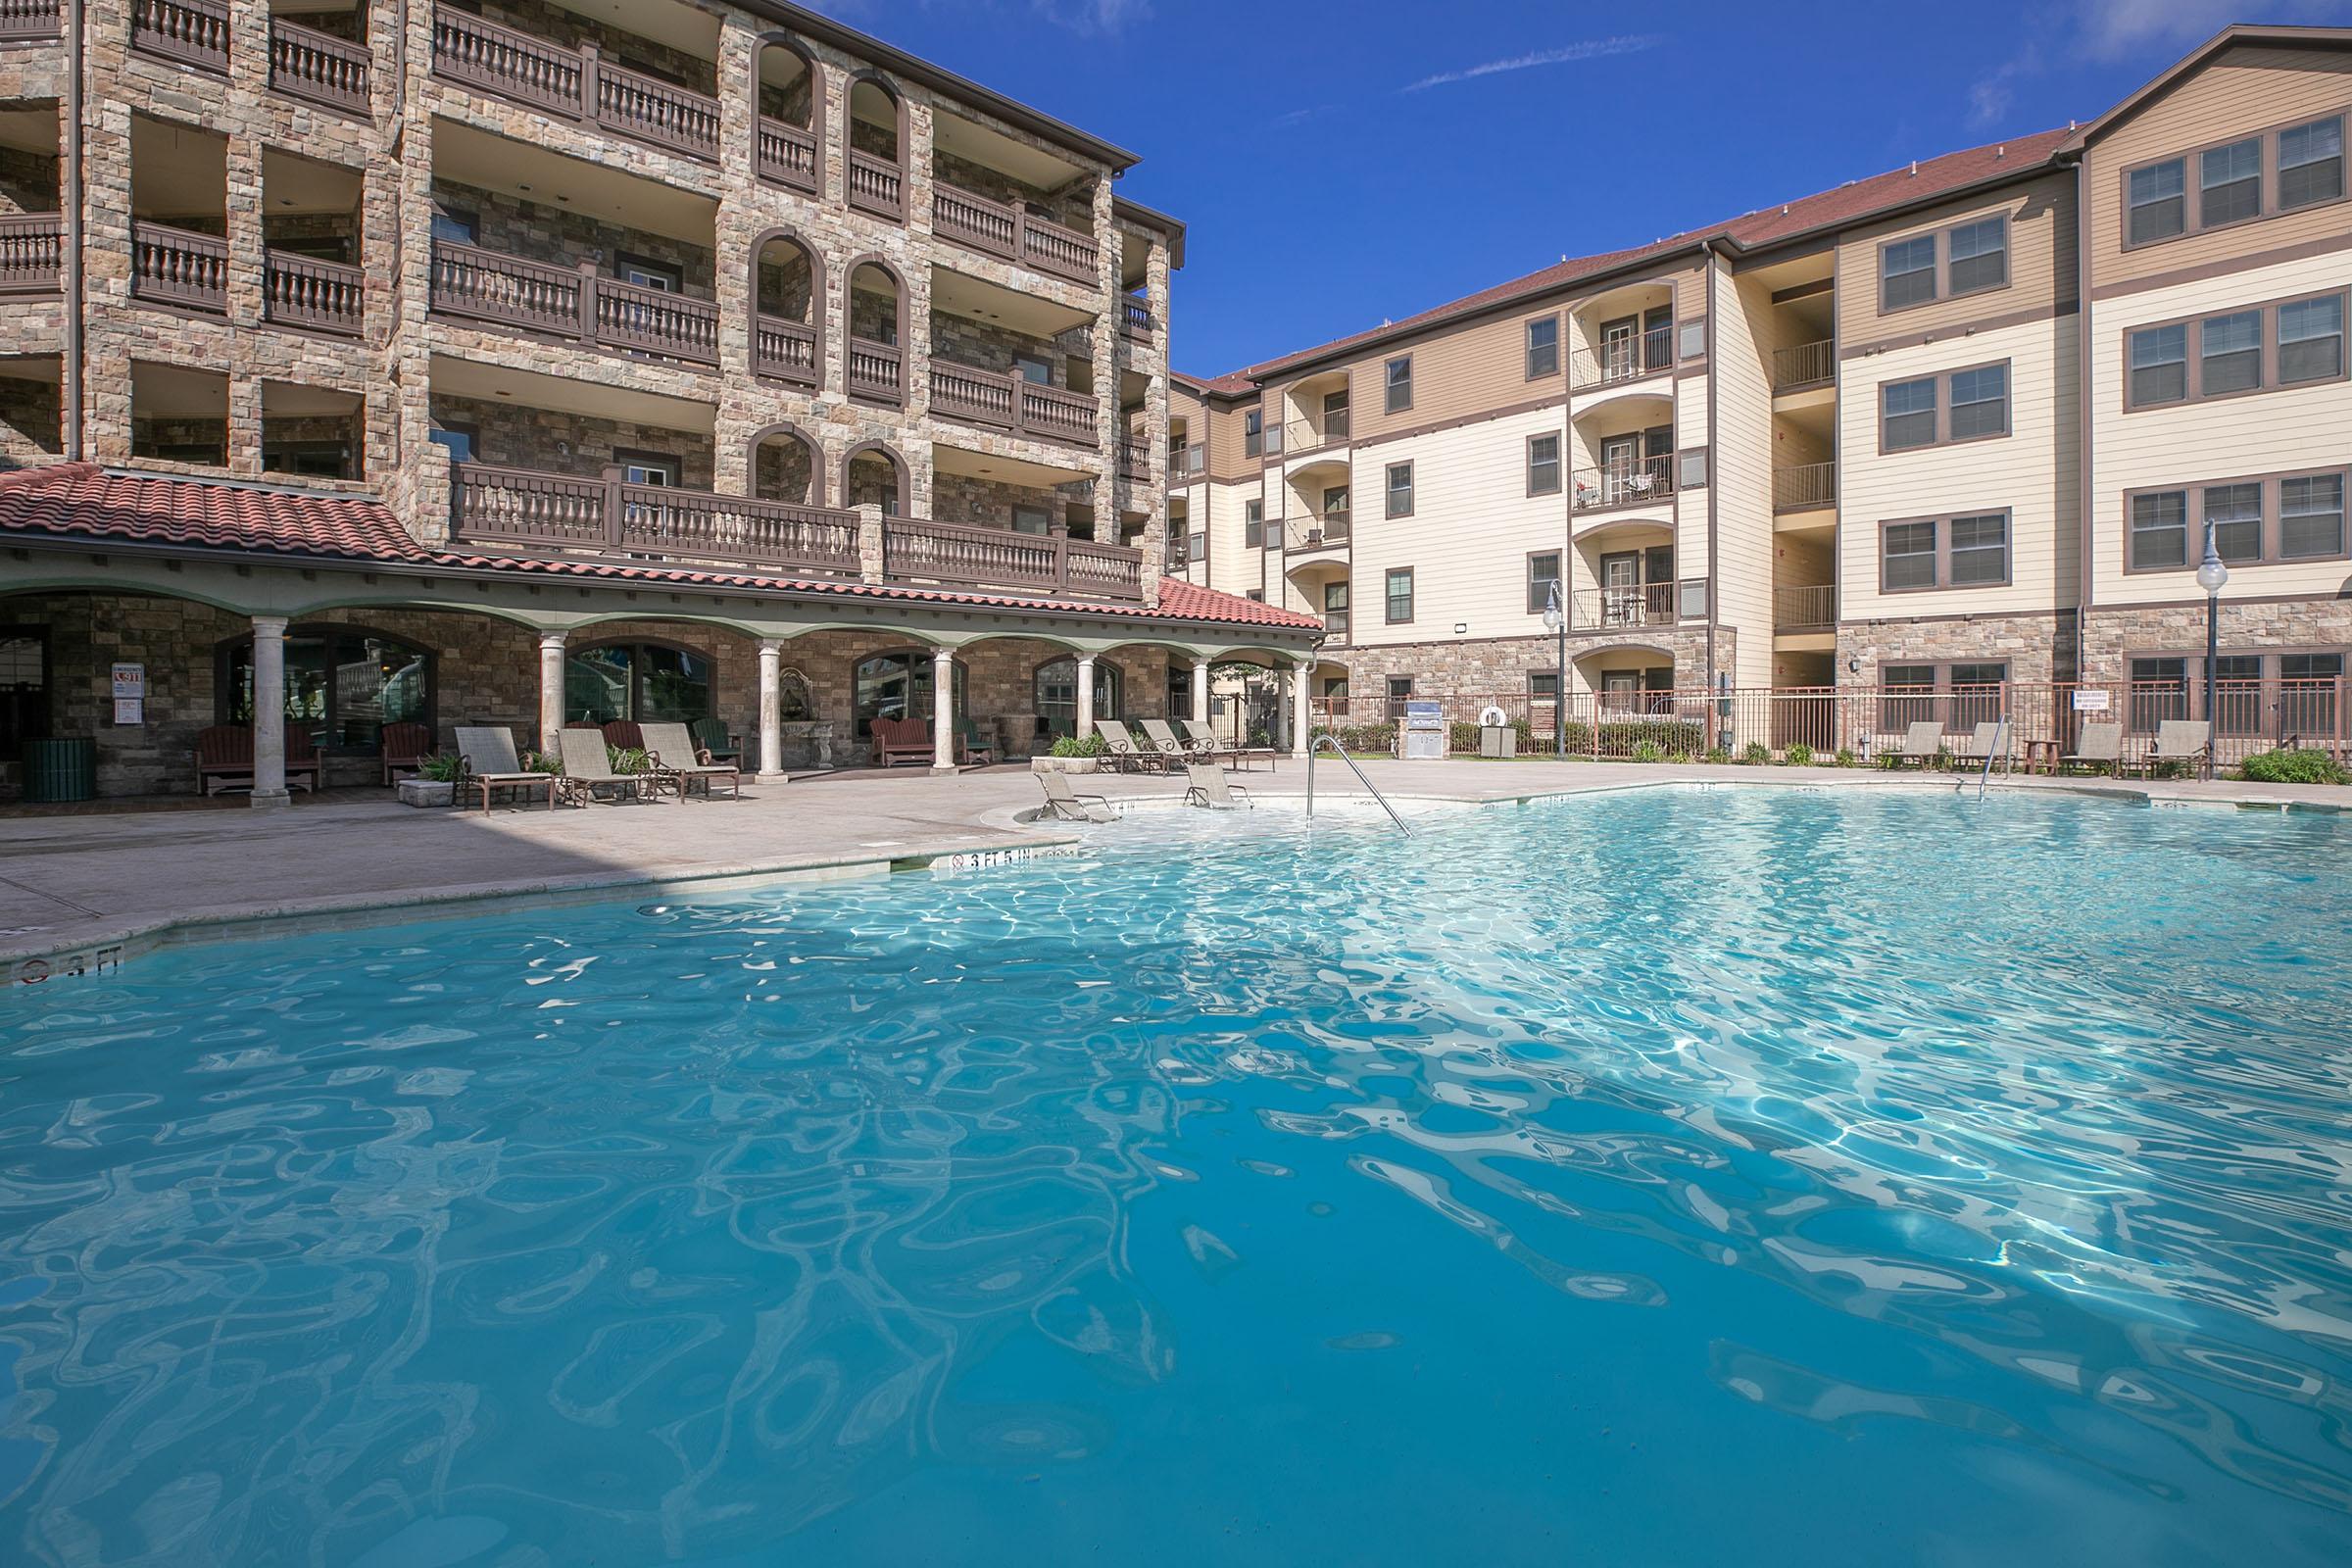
[404,747]
[225,759]
[899,740]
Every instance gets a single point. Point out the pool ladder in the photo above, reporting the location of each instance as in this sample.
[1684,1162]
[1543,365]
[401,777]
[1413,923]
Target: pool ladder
[2000,747]
[1339,751]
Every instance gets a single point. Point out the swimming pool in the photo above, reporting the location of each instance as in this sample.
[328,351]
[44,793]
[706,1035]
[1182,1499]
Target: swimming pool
[1667,1177]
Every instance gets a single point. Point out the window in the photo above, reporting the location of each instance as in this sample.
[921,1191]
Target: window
[899,686]
[1335,608]
[462,440]
[1543,685]
[1029,519]
[2311,516]
[1908,273]
[1979,255]
[1910,695]
[1542,464]
[2311,163]
[2233,520]
[1969,551]
[1197,552]
[1907,556]
[1254,432]
[2159,691]
[1542,347]
[2229,182]
[1401,489]
[1057,693]
[2229,352]
[2159,530]
[1254,524]
[1401,594]
[1907,415]
[452,226]
[1979,551]
[1959,695]
[2308,684]
[1256,594]
[1542,578]
[659,276]
[2311,339]
[1034,370]
[343,684]
[2159,366]
[1980,402]
[1398,383]
[2157,208]
[1400,692]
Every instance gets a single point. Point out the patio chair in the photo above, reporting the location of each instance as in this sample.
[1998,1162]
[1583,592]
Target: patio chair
[2179,740]
[404,748]
[711,738]
[1173,749]
[1208,787]
[900,740]
[1242,756]
[2098,746]
[1125,754]
[1066,804]
[971,749]
[487,754]
[225,759]
[673,755]
[1977,749]
[1921,742]
[624,734]
[588,768]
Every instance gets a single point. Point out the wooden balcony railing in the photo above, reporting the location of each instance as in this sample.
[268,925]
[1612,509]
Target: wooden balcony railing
[1004,401]
[1326,530]
[1135,319]
[175,267]
[996,229]
[32,248]
[571,302]
[1623,484]
[519,508]
[876,186]
[192,33]
[1063,252]
[25,20]
[1803,364]
[1626,358]
[1304,435]
[1804,486]
[788,155]
[1646,604]
[878,372]
[1809,608]
[1134,459]
[789,351]
[576,83]
[997,557]
[323,296]
[305,63]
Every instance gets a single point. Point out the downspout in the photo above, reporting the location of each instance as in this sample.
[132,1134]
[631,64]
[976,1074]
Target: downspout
[1714,461]
[73,235]
[2083,407]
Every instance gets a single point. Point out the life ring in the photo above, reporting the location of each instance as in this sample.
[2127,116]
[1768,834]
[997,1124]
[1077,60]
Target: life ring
[1492,717]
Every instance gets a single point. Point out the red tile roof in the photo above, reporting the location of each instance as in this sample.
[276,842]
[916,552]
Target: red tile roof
[81,501]
[1850,202]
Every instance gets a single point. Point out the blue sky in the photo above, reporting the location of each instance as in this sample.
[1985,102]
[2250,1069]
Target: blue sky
[1340,163]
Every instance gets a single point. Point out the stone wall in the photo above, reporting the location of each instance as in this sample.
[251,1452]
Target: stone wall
[292,228]
[27,181]
[633,50]
[987,503]
[1501,666]
[556,442]
[557,237]
[30,421]
[782,471]
[960,340]
[2111,638]
[1072,206]
[2037,648]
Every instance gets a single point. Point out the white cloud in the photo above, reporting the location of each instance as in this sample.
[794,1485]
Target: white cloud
[2111,31]
[1094,16]
[1569,53]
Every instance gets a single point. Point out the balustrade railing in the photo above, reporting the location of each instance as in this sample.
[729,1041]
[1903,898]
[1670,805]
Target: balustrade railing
[878,372]
[31,252]
[571,302]
[997,557]
[1000,229]
[788,155]
[504,508]
[323,296]
[1008,402]
[1134,459]
[193,32]
[577,84]
[876,184]
[790,350]
[25,20]
[178,266]
[305,63]
[1135,319]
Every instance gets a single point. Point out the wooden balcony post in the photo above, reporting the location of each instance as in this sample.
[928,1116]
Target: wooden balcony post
[613,478]
[591,94]
[1060,543]
[588,281]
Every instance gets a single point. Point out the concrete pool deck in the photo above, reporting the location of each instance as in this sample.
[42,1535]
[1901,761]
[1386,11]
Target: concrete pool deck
[81,893]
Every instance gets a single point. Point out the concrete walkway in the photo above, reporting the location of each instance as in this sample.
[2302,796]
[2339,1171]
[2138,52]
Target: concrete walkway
[91,890]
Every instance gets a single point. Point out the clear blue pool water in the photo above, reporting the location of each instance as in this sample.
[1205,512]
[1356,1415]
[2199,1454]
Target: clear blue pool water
[1665,1178]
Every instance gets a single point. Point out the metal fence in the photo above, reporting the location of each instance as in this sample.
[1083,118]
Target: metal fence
[2044,722]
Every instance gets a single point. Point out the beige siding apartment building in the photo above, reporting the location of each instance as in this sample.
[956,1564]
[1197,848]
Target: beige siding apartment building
[1958,424]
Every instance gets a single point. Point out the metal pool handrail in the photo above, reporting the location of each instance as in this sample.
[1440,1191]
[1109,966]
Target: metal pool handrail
[1339,751]
[1998,748]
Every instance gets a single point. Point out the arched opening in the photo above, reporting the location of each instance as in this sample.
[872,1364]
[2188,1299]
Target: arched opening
[344,684]
[786,466]
[788,301]
[1057,688]
[877,320]
[789,111]
[898,685]
[876,161]
[873,475]
[638,680]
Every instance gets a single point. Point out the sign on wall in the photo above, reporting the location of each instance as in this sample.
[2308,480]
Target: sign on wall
[130,694]
[2090,702]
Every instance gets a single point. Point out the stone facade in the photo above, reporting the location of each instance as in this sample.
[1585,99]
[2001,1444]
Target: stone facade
[2037,648]
[2111,638]
[557,441]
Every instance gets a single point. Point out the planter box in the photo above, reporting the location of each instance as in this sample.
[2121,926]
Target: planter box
[425,792]
[1066,765]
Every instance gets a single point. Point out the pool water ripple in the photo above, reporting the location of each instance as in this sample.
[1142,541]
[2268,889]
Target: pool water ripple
[1650,1178]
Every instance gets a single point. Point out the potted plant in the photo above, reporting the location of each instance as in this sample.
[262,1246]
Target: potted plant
[1071,754]
[435,783]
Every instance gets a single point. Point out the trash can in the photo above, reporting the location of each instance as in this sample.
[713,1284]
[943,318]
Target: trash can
[1498,740]
[61,770]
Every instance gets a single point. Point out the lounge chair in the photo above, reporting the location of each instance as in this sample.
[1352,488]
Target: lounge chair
[2098,746]
[1208,786]
[624,734]
[588,768]
[1173,749]
[680,763]
[404,748]
[487,754]
[902,740]
[1200,732]
[712,737]
[1068,806]
[972,749]
[1980,748]
[1922,743]
[2179,740]
[1125,754]
[225,759]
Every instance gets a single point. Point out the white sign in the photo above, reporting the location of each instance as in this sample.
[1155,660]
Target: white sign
[2090,702]
[131,711]
[130,682]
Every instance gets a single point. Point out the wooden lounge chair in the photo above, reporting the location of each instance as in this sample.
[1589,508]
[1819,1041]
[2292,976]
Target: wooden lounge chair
[2178,740]
[588,768]
[712,737]
[902,740]
[1125,754]
[1921,742]
[972,751]
[681,764]
[2098,746]
[404,748]
[1208,786]
[1200,732]
[624,734]
[1978,748]
[1174,749]
[1068,806]
[225,759]
[487,754]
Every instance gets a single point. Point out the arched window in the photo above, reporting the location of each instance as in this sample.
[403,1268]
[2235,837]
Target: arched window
[786,466]
[897,685]
[788,103]
[1058,694]
[788,301]
[344,683]
[640,681]
[874,475]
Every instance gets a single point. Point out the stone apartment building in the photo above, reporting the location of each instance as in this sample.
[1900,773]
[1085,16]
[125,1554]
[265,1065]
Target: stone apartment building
[570,361]
[1960,423]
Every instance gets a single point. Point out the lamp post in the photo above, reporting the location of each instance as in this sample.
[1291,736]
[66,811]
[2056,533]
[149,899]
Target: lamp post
[2213,577]
[1555,620]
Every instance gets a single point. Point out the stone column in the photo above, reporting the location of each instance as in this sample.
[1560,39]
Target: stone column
[269,710]
[551,692]
[943,709]
[1086,695]
[772,704]
[1200,690]
[1302,722]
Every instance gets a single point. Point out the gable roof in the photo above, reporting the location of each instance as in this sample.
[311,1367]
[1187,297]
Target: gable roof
[2198,59]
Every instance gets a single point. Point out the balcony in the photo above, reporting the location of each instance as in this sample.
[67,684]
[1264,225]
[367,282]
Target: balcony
[1135,319]
[27,21]
[789,351]
[1305,435]
[307,64]
[997,557]
[1812,607]
[1003,401]
[178,268]
[1803,364]
[877,185]
[1316,531]
[518,508]
[878,372]
[1623,484]
[1616,608]
[187,32]
[788,155]
[314,295]
[1134,459]
[1627,358]
[571,302]
[31,252]
[1335,625]
[575,83]
[1804,486]
[1007,234]
[1185,462]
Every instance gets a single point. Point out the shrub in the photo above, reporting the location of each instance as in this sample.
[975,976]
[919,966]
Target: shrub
[1797,755]
[1846,758]
[1078,745]
[627,758]
[542,763]
[1716,753]
[1755,754]
[1461,735]
[1361,737]
[2292,765]
[1648,751]
[442,769]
